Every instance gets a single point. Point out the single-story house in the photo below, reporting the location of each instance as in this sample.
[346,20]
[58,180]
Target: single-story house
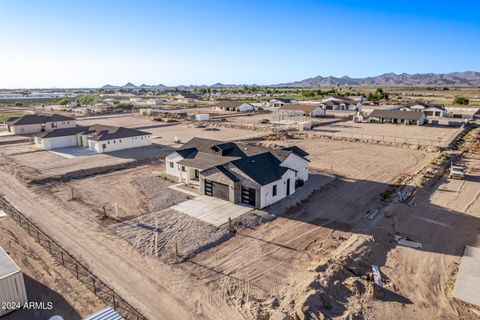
[186,97]
[237,106]
[311,110]
[98,138]
[430,110]
[462,112]
[398,117]
[341,103]
[33,123]
[73,104]
[279,102]
[238,172]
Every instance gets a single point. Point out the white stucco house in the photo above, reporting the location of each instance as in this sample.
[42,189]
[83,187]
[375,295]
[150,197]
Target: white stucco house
[33,123]
[237,106]
[341,103]
[398,117]
[239,173]
[310,110]
[97,138]
[279,102]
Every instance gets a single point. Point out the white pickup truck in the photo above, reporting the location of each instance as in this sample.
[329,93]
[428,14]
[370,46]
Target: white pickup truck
[457,171]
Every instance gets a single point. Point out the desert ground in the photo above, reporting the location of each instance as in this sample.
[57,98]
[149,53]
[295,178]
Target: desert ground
[304,259]
[45,280]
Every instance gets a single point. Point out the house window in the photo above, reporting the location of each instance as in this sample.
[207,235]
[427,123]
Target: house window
[114,141]
[53,124]
[63,122]
[108,142]
[274,191]
[120,140]
[183,168]
[171,164]
[104,146]
[196,173]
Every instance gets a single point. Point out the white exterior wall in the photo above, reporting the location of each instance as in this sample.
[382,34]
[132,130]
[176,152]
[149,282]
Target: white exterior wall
[266,191]
[57,142]
[298,164]
[26,129]
[175,171]
[245,107]
[119,144]
[318,112]
[60,125]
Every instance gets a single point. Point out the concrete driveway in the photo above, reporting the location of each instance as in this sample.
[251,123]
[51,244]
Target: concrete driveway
[212,210]
[72,152]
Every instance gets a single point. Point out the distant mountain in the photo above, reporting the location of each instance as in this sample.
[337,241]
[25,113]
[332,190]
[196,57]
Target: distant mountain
[467,78]
[130,85]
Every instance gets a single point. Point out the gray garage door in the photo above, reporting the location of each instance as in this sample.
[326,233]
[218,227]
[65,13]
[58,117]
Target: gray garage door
[217,190]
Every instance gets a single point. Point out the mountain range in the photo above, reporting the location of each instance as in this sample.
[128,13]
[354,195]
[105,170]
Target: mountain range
[461,79]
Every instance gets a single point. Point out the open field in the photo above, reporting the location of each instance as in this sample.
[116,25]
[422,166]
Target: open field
[31,163]
[165,133]
[134,192]
[45,280]
[410,134]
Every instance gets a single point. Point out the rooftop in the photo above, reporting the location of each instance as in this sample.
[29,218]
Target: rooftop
[38,119]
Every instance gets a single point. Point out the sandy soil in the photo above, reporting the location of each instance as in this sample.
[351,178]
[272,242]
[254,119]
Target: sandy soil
[436,133]
[164,133]
[358,160]
[136,192]
[283,256]
[45,280]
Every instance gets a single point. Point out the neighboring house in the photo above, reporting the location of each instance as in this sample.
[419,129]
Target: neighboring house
[310,110]
[279,102]
[237,172]
[186,97]
[237,106]
[398,117]
[98,138]
[33,123]
[341,103]
[73,104]
[431,110]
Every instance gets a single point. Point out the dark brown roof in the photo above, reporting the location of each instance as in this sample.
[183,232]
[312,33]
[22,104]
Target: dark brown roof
[39,119]
[96,132]
[230,104]
[397,114]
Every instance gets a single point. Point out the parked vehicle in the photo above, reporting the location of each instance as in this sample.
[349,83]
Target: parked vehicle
[457,171]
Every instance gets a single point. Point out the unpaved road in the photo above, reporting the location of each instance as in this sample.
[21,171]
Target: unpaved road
[156,289]
[444,220]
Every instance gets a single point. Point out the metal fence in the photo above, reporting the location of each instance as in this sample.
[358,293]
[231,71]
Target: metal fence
[79,270]
[381,138]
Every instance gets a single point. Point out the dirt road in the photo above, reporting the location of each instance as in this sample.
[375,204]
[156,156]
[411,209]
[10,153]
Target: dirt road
[156,289]
[444,220]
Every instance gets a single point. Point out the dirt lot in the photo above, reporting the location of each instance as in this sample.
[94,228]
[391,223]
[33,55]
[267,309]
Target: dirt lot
[136,192]
[359,160]
[409,134]
[45,280]
[164,133]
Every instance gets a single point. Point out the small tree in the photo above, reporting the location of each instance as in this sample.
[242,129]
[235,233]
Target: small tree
[63,102]
[461,100]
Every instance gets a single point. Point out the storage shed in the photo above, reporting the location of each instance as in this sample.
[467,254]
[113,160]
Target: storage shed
[12,287]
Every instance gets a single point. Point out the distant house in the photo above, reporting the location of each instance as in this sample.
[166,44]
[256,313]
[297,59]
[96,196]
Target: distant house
[98,138]
[398,117]
[237,172]
[310,110]
[33,123]
[431,110]
[279,102]
[73,104]
[186,97]
[341,103]
[237,106]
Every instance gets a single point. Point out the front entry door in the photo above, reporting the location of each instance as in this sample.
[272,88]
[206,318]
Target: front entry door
[288,187]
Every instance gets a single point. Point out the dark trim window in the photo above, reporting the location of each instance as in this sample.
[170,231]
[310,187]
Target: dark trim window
[171,164]
[183,168]
[274,191]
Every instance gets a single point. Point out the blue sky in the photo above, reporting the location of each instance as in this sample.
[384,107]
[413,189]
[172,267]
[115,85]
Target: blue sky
[91,43]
